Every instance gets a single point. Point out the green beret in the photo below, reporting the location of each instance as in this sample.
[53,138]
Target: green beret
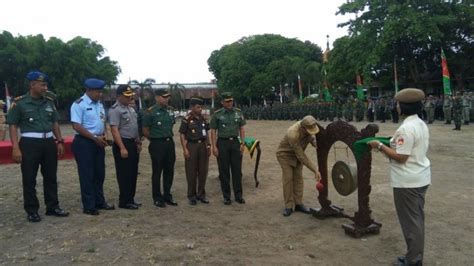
[410,95]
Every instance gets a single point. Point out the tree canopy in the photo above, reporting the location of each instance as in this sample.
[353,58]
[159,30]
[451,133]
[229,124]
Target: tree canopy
[411,33]
[67,64]
[251,66]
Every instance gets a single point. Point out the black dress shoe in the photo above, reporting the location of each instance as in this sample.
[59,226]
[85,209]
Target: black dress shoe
[34,217]
[204,200]
[192,202]
[91,212]
[129,206]
[159,203]
[136,203]
[287,212]
[171,202]
[58,212]
[227,201]
[107,207]
[240,200]
[302,208]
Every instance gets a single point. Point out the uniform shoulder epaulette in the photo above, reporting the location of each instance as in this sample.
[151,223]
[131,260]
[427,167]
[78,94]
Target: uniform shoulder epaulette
[237,109]
[79,100]
[218,110]
[149,109]
[114,105]
[186,118]
[19,98]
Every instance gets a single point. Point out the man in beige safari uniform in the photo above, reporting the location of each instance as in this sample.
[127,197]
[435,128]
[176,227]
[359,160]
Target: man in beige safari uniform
[291,156]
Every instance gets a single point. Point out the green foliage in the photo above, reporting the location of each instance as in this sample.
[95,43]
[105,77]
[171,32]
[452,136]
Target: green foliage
[411,32]
[67,64]
[253,65]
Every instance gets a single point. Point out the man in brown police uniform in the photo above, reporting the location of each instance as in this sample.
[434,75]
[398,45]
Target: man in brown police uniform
[196,150]
[291,156]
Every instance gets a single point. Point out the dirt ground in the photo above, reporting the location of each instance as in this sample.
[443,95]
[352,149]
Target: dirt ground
[255,233]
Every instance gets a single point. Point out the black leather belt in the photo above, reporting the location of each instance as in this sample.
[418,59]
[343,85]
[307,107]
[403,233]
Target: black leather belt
[196,140]
[229,138]
[162,139]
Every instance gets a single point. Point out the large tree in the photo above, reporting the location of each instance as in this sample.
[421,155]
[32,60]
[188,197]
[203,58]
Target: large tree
[410,32]
[253,65]
[67,64]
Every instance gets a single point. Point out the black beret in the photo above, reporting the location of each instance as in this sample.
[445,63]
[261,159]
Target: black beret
[196,100]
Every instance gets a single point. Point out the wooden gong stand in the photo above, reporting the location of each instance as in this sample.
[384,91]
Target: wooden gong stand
[347,133]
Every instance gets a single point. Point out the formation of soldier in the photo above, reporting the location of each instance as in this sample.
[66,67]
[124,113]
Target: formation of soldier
[373,109]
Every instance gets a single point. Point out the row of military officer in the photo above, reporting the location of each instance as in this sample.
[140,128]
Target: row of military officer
[35,116]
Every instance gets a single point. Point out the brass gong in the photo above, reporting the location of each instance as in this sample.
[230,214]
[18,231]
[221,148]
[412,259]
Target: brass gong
[344,178]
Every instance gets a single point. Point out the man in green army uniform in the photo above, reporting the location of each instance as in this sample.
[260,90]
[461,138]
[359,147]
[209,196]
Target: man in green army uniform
[466,100]
[349,112]
[429,106]
[158,124]
[447,108]
[36,117]
[227,138]
[457,112]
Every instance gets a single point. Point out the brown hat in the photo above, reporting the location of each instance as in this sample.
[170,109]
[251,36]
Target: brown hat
[410,95]
[309,123]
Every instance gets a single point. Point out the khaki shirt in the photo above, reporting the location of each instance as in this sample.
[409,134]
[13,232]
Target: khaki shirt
[293,145]
[194,127]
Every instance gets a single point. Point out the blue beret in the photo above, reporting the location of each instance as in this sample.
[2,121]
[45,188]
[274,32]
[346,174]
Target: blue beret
[94,84]
[36,75]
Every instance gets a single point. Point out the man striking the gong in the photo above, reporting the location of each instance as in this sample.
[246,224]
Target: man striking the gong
[291,156]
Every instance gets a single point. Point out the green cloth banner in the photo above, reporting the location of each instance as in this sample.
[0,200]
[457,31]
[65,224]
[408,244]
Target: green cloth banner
[251,144]
[361,147]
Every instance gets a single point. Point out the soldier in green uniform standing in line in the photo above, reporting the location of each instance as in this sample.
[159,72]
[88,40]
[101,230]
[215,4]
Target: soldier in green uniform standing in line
[227,125]
[158,124]
[429,106]
[36,117]
[457,112]
[447,108]
[465,108]
[359,106]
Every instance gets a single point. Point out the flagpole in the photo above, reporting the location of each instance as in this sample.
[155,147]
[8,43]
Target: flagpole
[395,75]
[7,96]
[281,94]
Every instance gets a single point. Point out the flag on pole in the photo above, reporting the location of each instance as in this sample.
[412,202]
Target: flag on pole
[446,79]
[360,88]
[395,76]
[300,88]
[8,98]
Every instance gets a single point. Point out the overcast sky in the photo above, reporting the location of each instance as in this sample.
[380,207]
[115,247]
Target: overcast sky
[171,41]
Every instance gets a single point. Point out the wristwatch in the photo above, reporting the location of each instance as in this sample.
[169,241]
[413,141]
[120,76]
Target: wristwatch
[58,141]
[379,147]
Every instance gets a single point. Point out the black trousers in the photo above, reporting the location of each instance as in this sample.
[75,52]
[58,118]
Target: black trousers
[36,152]
[126,170]
[163,157]
[90,160]
[230,160]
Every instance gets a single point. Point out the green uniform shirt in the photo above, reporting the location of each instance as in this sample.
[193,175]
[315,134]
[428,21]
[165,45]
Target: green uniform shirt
[33,115]
[160,121]
[227,122]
